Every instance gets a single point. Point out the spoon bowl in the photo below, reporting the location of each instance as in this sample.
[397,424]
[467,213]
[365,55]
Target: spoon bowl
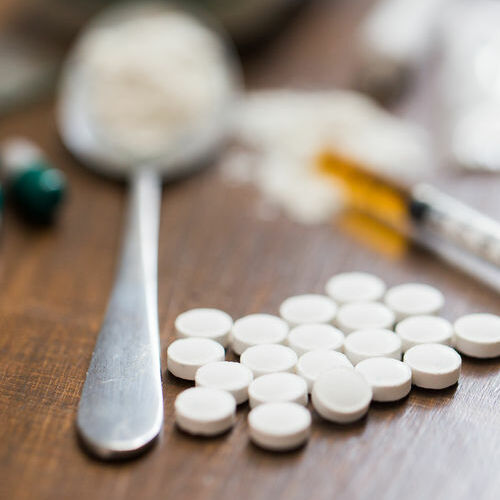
[83,135]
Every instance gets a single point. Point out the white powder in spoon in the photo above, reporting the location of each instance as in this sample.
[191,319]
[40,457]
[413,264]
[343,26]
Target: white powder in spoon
[153,78]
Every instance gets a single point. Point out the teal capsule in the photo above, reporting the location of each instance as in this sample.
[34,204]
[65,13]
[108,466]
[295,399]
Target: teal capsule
[33,185]
[37,190]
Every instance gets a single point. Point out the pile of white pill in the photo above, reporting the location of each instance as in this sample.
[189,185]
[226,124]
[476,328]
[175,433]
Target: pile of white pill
[356,344]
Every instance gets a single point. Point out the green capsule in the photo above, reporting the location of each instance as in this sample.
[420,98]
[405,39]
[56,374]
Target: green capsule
[38,190]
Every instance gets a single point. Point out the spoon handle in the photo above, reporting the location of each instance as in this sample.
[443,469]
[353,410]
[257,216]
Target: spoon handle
[121,407]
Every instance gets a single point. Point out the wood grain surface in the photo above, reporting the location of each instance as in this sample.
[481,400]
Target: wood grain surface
[214,251]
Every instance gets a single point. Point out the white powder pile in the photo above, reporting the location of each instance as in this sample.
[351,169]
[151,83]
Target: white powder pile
[283,131]
[153,78]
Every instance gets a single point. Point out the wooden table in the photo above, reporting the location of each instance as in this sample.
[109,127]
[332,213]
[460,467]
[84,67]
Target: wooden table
[215,252]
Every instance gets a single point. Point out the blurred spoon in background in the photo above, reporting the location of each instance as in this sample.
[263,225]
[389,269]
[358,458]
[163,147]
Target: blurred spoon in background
[144,97]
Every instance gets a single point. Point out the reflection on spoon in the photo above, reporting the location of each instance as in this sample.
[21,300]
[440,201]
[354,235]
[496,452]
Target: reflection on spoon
[144,95]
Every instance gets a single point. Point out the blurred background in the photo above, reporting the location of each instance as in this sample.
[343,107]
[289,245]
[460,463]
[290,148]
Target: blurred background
[407,90]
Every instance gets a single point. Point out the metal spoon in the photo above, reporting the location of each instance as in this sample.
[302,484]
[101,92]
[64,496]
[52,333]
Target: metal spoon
[121,408]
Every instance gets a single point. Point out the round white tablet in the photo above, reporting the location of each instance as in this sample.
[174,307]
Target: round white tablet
[276,388]
[313,363]
[304,338]
[372,343]
[269,358]
[208,323]
[424,329]
[279,426]
[389,378]
[256,329]
[362,315]
[355,287]
[309,308]
[433,366]
[341,395]
[478,335]
[228,376]
[413,299]
[205,411]
[185,356]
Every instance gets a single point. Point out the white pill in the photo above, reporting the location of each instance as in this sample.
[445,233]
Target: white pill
[372,343]
[341,395]
[208,323]
[362,315]
[309,308]
[313,363]
[304,338]
[269,358]
[279,426]
[278,388]
[228,376]
[256,329]
[355,287]
[433,366]
[413,299]
[185,356]
[17,152]
[424,329]
[205,411]
[389,378]
[478,335]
